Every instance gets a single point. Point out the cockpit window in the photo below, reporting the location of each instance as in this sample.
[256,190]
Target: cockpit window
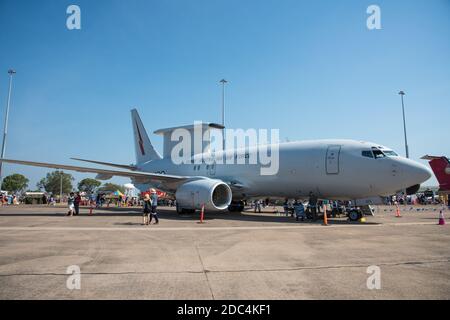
[390,153]
[367,153]
[378,153]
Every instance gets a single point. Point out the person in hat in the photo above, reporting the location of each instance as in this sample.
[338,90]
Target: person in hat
[147,209]
[154,201]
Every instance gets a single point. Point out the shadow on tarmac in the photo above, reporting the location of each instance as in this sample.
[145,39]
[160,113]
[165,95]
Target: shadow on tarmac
[165,214]
[246,216]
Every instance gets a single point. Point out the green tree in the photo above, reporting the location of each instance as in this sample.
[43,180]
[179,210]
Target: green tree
[15,183]
[52,182]
[88,185]
[111,187]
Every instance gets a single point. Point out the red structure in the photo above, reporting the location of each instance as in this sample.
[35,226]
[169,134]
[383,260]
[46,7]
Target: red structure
[441,169]
[161,194]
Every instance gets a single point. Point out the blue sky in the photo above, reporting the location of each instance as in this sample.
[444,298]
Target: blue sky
[310,68]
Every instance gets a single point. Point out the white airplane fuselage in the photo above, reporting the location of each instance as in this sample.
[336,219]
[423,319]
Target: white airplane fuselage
[331,169]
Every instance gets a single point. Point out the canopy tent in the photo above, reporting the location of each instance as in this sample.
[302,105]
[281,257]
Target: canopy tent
[161,194]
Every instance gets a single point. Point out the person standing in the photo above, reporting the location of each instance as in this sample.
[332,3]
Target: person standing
[154,198]
[258,206]
[76,203]
[147,209]
[286,207]
[98,202]
[299,210]
[313,205]
[70,203]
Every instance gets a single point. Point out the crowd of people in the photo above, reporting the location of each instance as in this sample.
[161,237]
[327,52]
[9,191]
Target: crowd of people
[149,204]
[304,210]
[8,199]
[422,198]
[310,209]
[301,210]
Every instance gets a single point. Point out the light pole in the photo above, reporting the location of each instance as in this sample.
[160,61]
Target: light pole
[11,72]
[60,186]
[223,82]
[401,93]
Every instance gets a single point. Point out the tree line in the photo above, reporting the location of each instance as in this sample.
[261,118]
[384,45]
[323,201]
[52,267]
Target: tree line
[56,180]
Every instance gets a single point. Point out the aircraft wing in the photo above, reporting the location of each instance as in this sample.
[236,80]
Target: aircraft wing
[121,166]
[142,177]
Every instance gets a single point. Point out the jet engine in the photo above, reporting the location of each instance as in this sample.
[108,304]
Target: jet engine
[214,194]
[413,189]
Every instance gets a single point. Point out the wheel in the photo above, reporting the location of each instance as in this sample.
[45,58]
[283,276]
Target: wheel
[236,206]
[354,215]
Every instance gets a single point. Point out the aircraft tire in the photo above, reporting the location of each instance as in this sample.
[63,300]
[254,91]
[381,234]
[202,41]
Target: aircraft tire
[354,215]
[236,207]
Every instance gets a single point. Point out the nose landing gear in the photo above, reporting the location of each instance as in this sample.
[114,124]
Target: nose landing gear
[354,214]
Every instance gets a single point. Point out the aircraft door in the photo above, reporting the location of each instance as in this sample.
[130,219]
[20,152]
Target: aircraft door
[332,159]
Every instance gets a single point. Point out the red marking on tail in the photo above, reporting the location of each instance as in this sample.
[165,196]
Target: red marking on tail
[441,169]
[141,142]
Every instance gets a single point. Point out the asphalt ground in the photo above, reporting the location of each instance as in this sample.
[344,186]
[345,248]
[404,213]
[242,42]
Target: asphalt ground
[229,256]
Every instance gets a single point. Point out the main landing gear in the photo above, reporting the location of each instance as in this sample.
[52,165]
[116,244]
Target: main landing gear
[236,206]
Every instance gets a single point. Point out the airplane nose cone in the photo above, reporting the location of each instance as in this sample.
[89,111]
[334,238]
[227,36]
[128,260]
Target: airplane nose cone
[417,172]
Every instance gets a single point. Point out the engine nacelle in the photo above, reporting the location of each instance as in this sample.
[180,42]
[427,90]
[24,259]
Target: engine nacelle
[214,194]
[413,189]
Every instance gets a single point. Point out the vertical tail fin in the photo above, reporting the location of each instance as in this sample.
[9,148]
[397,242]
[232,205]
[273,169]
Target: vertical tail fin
[142,145]
[441,169]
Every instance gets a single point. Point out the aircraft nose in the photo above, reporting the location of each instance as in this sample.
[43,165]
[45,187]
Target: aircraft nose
[417,172]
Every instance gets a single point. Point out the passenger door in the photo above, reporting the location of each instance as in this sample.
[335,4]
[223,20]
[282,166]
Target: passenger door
[332,159]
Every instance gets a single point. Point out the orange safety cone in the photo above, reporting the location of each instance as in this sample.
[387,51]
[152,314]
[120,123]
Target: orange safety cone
[397,212]
[441,218]
[202,213]
[325,218]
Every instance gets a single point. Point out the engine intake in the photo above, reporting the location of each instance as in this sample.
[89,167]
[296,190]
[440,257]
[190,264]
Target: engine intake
[214,194]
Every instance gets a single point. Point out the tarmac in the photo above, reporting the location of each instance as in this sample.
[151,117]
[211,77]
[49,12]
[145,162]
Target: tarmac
[229,256]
